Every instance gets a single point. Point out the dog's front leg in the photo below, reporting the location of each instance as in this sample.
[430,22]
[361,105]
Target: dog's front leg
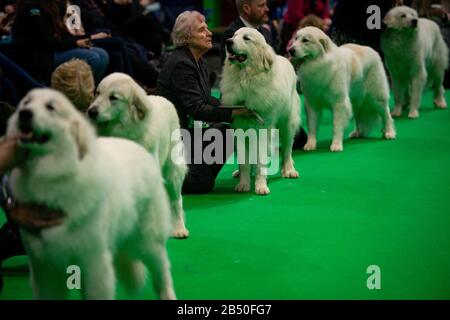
[47,282]
[418,84]
[243,150]
[400,96]
[313,122]
[98,277]
[342,112]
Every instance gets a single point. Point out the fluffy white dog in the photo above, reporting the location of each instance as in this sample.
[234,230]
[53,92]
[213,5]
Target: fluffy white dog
[254,76]
[416,57]
[117,214]
[122,109]
[349,80]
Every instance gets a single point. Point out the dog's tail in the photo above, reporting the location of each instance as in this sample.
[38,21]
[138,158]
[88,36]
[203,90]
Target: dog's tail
[132,274]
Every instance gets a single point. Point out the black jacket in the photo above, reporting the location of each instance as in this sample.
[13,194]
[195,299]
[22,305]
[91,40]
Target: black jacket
[235,26]
[34,37]
[187,86]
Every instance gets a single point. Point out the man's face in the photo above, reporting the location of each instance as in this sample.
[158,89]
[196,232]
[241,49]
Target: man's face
[257,12]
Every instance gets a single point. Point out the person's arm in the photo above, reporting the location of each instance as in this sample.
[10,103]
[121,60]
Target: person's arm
[187,89]
[8,154]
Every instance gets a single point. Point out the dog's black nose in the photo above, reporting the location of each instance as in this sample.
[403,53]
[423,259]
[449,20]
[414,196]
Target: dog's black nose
[25,121]
[292,52]
[229,44]
[93,113]
[414,22]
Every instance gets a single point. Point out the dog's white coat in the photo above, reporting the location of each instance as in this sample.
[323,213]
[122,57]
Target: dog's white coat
[266,84]
[416,58]
[117,214]
[349,80]
[151,121]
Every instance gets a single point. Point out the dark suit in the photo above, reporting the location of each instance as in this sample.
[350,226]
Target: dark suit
[187,86]
[235,26]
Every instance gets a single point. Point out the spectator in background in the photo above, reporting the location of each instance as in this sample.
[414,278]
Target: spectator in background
[252,14]
[296,11]
[74,78]
[43,42]
[173,8]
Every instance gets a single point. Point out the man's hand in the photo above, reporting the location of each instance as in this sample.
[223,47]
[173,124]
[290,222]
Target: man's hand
[100,35]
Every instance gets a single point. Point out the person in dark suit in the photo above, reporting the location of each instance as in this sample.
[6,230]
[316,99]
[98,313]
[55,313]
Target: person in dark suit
[184,80]
[253,14]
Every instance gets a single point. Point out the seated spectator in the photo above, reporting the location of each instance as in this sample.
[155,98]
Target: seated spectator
[74,78]
[296,11]
[184,80]
[43,42]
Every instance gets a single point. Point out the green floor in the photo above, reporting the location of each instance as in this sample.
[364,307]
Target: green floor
[379,202]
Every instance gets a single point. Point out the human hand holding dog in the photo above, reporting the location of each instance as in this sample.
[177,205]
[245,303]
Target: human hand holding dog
[9,155]
[35,217]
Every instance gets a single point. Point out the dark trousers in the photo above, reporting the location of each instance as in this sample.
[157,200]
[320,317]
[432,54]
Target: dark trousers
[201,178]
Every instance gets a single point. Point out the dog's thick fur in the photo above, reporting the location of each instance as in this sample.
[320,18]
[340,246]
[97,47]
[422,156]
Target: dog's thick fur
[117,213]
[416,57]
[349,80]
[122,109]
[266,84]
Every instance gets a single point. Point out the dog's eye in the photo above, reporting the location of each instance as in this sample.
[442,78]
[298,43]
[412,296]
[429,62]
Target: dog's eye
[403,15]
[113,98]
[305,40]
[246,38]
[50,107]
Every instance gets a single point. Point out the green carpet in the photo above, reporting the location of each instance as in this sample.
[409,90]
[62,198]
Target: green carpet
[383,203]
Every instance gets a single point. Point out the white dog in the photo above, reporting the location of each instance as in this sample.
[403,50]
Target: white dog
[416,57]
[117,214]
[122,109]
[348,80]
[254,76]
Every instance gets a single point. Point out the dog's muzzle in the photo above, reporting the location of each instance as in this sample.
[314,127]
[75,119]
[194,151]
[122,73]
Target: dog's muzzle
[26,121]
[93,113]
[232,55]
[414,23]
[29,135]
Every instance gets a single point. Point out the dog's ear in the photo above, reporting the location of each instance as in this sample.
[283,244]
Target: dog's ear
[138,107]
[80,137]
[268,57]
[388,19]
[326,44]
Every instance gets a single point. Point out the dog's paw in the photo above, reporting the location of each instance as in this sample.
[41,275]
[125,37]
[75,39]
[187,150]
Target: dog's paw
[440,103]
[235,174]
[390,135]
[180,233]
[242,187]
[310,146]
[414,114]
[355,134]
[397,112]
[289,173]
[262,190]
[336,147]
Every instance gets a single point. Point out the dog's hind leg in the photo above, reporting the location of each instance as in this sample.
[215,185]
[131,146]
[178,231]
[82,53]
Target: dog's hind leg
[313,124]
[157,262]
[173,183]
[342,112]
[418,85]
[98,277]
[131,273]
[401,96]
[47,282]
[438,90]
[287,140]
